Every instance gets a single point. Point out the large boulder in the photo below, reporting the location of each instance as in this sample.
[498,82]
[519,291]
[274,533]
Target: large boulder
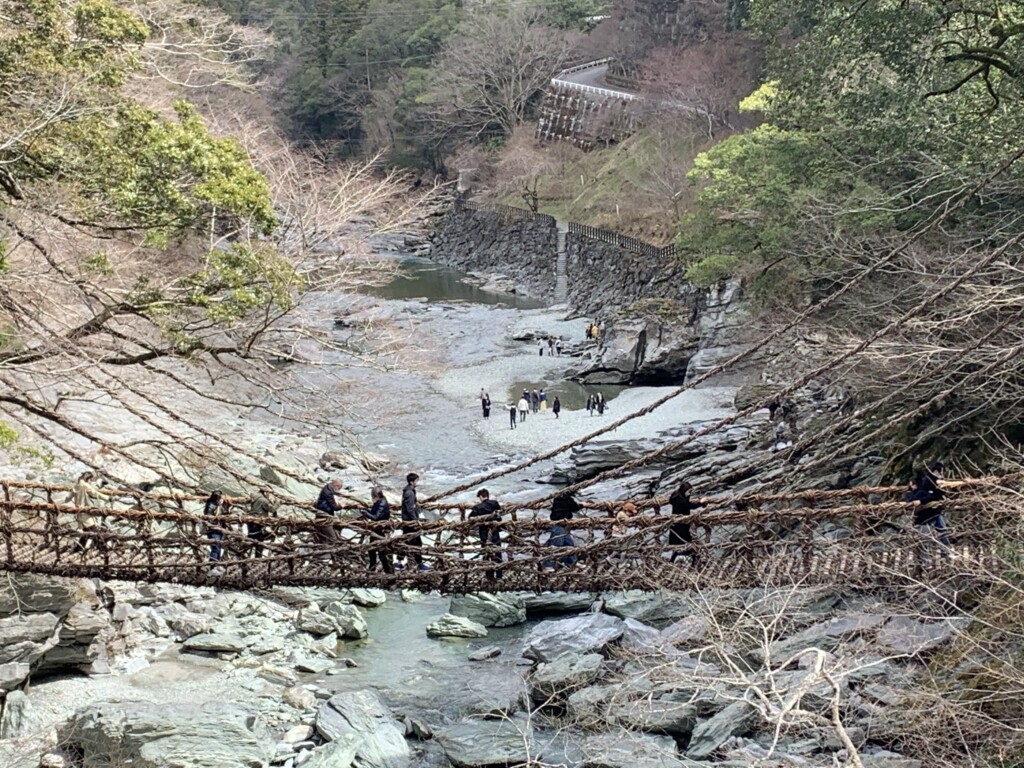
[340,753]
[650,715]
[630,750]
[907,636]
[588,633]
[487,743]
[552,681]
[348,620]
[215,642]
[491,610]
[647,607]
[547,603]
[735,720]
[826,635]
[363,715]
[651,342]
[455,626]
[19,716]
[148,735]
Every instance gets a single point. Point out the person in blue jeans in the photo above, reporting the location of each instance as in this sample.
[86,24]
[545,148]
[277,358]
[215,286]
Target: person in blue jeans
[214,534]
[562,509]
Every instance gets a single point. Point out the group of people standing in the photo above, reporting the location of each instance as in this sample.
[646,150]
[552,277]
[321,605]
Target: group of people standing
[596,402]
[553,344]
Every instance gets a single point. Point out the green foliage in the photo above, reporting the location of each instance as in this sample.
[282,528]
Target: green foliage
[573,14]
[241,278]
[61,73]
[873,111]
[8,435]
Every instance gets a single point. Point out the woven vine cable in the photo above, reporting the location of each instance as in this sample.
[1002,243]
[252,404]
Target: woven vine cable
[757,346]
[800,382]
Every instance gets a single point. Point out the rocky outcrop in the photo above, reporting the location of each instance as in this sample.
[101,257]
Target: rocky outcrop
[49,624]
[491,610]
[554,680]
[589,633]
[455,626]
[668,341]
[147,735]
[487,743]
[362,715]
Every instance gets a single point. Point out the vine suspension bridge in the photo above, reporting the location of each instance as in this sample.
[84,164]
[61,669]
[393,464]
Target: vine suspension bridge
[860,536]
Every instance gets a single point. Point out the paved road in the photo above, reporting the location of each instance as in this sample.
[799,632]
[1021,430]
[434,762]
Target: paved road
[594,78]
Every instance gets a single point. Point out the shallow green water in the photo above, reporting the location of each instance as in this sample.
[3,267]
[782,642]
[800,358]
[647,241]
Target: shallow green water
[422,279]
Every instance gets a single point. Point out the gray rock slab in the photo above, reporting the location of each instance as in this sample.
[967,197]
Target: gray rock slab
[348,619]
[589,706]
[455,626]
[491,610]
[26,638]
[687,632]
[148,735]
[215,643]
[363,714]
[487,652]
[588,633]
[19,716]
[672,718]
[487,743]
[314,621]
[13,674]
[556,679]
[708,735]
[340,753]
[646,606]
[906,635]
[639,636]
[827,635]
[548,603]
[631,750]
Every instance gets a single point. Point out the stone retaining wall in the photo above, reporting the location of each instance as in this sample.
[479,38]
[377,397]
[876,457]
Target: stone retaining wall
[524,249]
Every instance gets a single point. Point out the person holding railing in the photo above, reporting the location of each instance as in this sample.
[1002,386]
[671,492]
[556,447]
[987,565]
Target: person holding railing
[85,496]
[679,535]
[488,512]
[215,533]
[378,512]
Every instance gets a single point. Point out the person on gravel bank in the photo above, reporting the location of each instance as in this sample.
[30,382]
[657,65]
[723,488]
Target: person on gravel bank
[524,406]
[512,415]
[485,404]
[488,511]
[556,406]
[410,520]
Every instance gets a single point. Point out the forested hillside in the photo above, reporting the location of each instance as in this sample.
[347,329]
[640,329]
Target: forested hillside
[411,78]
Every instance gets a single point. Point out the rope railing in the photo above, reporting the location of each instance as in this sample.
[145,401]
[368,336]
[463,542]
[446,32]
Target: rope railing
[778,539]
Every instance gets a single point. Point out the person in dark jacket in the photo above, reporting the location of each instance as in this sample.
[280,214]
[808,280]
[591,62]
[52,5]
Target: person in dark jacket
[214,533]
[257,533]
[927,496]
[562,508]
[378,512]
[535,401]
[410,518]
[485,404]
[679,534]
[512,415]
[590,404]
[556,406]
[600,404]
[327,508]
[488,511]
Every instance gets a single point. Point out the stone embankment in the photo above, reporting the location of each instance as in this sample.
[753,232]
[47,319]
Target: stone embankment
[657,328]
[639,680]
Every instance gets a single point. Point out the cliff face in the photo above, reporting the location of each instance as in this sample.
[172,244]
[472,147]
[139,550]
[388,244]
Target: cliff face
[657,328]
